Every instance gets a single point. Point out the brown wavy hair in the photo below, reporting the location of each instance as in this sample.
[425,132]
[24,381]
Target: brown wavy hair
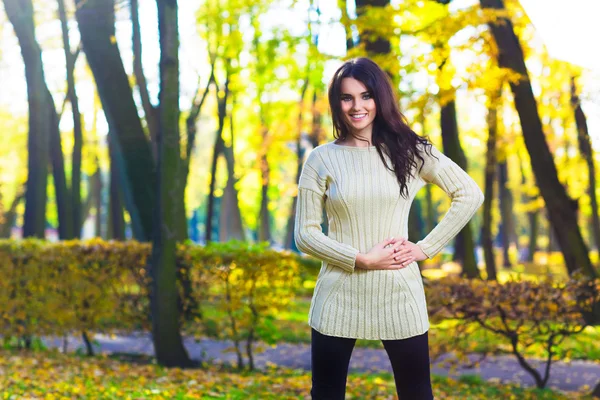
[391,134]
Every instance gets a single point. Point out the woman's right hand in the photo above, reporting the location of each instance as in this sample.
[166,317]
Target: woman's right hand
[381,256]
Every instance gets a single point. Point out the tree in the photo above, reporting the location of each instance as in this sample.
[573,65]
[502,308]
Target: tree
[75,190]
[97,29]
[168,343]
[561,208]
[20,14]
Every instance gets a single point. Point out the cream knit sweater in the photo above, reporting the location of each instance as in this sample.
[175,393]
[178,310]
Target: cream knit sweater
[364,207]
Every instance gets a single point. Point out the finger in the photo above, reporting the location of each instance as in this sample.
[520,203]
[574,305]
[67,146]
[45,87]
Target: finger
[402,254]
[406,260]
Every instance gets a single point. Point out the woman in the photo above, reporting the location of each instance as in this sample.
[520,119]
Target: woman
[369,285]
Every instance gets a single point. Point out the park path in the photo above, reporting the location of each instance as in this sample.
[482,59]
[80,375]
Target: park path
[571,376]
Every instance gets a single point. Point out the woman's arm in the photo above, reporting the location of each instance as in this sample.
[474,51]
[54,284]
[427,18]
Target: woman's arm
[308,234]
[466,197]
[310,238]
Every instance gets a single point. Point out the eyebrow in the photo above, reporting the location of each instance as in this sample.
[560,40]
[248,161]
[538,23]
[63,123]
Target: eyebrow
[348,94]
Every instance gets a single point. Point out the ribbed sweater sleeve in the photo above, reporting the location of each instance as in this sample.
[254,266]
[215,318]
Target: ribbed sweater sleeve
[308,234]
[464,192]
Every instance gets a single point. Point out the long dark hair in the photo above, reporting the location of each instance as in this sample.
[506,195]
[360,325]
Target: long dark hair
[391,133]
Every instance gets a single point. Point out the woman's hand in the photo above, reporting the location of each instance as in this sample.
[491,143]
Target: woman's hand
[393,253]
[409,252]
[381,256]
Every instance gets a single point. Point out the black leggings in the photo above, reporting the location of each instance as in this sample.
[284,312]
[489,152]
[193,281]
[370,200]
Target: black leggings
[330,358]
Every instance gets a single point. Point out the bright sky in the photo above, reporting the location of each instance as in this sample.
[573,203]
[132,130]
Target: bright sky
[565,29]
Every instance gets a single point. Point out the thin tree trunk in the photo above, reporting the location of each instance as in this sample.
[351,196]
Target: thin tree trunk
[97,182]
[464,243]
[168,343]
[218,148]
[289,236]
[561,208]
[62,192]
[490,169]
[97,29]
[136,40]
[264,217]
[506,207]
[77,129]
[230,215]
[116,221]
[532,216]
[585,148]
[20,14]
[11,215]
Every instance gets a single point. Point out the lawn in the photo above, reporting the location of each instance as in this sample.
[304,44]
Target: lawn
[51,375]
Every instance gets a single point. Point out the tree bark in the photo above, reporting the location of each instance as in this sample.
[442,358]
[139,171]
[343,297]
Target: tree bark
[150,111]
[230,216]
[75,189]
[61,189]
[96,26]
[506,207]
[116,229]
[264,217]
[289,235]
[585,148]
[20,14]
[490,175]
[464,244]
[11,215]
[561,208]
[166,336]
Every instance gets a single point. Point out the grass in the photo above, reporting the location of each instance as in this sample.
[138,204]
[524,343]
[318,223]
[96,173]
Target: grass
[51,375]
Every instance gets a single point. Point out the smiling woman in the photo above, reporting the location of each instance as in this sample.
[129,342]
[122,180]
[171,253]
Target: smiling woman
[369,285]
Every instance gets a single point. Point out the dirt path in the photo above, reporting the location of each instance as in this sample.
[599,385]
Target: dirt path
[570,376]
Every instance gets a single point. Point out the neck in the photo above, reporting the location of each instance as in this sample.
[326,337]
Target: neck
[359,139]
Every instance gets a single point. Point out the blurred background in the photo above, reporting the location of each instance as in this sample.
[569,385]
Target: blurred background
[252,101]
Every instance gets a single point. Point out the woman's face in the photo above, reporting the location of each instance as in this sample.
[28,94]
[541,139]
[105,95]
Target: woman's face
[358,106]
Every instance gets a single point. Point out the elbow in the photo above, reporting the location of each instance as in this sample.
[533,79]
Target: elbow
[301,242]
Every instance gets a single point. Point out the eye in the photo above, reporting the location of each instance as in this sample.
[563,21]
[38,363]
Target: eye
[367,96]
[346,98]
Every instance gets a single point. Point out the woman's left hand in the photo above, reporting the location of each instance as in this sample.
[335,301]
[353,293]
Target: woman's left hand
[408,253]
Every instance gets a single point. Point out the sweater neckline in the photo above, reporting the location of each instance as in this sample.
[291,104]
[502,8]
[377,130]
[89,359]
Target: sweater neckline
[352,148]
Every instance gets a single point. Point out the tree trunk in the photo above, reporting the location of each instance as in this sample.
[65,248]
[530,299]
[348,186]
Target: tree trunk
[289,235]
[585,148]
[61,190]
[97,199]
[464,243]
[150,111]
[20,14]
[168,343]
[77,129]
[11,215]
[116,220]
[230,217]
[490,169]
[561,208]
[506,207]
[264,217]
[210,209]
[96,26]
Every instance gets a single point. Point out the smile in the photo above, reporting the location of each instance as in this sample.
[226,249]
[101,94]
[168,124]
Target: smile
[357,117]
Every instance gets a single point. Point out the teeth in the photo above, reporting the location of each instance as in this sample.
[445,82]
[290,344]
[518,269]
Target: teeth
[357,116]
